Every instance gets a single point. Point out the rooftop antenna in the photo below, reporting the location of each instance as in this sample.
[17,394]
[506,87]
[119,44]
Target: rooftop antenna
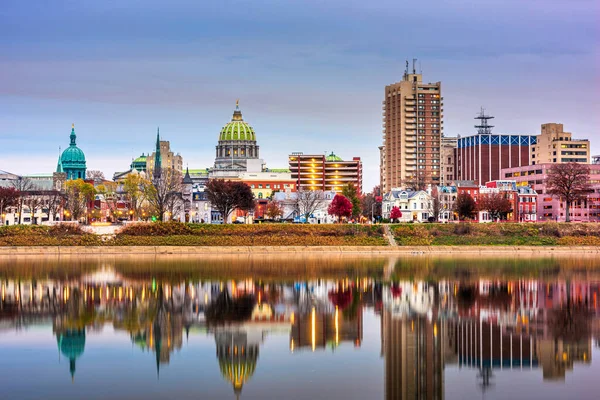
[483,128]
[414,65]
[406,70]
[420,69]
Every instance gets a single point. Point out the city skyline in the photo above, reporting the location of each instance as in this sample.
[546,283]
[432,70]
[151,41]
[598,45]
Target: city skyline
[310,77]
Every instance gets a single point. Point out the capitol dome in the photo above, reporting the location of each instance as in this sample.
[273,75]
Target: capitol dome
[237,144]
[72,160]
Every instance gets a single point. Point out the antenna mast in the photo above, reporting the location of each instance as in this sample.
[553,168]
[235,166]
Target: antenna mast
[483,128]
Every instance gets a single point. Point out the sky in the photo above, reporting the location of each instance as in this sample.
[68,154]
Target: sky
[310,74]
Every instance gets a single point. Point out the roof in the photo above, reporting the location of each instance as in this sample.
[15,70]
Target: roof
[333,157]
[237,129]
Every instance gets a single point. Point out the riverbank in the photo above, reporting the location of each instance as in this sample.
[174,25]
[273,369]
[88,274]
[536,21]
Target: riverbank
[312,250]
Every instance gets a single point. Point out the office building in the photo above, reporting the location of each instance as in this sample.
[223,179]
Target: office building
[554,145]
[326,173]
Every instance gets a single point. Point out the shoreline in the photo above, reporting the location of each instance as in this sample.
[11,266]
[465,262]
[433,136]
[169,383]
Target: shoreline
[312,250]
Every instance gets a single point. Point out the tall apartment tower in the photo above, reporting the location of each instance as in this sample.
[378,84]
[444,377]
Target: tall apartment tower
[412,130]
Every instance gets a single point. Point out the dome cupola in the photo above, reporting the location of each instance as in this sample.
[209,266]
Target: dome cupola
[73,159]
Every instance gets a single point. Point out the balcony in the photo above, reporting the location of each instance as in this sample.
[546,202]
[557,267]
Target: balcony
[411,121]
[410,103]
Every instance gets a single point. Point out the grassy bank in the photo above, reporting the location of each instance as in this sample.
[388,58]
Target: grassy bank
[177,234]
[498,234]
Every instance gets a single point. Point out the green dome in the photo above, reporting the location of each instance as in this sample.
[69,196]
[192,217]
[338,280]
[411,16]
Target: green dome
[73,157]
[140,159]
[237,129]
[333,157]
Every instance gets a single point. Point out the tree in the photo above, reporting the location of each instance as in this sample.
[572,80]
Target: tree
[569,183]
[54,200]
[415,182]
[227,196]
[465,205]
[349,191]
[340,207]
[308,201]
[395,214]
[111,198]
[33,201]
[9,197]
[135,188]
[78,194]
[496,204]
[97,176]
[164,194]
[274,210]
[22,185]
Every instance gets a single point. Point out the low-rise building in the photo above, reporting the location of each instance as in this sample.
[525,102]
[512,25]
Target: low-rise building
[289,204]
[416,206]
[325,173]
[550,208]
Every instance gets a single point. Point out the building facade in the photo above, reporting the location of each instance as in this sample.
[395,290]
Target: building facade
[412,130]
[550,208]
[416,206]
[554,145]
[325,173]
[264,184]
[447,167]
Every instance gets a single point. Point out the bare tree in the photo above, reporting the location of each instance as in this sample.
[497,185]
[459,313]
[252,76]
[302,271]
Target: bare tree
[165,192]
[309,201]
[569,182]
[23,185]
[97,176]
[54,200]
[9,197]
[33,201]
[496,204]
[435,206]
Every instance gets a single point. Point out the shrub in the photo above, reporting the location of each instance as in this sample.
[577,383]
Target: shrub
[462,229]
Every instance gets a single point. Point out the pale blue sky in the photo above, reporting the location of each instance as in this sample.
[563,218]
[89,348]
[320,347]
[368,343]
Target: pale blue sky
[309,74]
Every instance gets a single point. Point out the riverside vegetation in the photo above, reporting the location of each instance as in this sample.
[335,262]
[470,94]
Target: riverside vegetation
[180,234]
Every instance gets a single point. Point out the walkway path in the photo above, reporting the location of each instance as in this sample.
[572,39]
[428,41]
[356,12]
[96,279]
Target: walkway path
[389,235]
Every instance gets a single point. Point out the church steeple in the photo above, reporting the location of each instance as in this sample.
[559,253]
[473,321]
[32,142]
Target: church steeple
[157,157]
[59,168]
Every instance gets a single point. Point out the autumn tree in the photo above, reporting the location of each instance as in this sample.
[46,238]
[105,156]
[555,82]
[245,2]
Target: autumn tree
[9,197]
[464,205]
[22,185]
[350,192]
[496,204]
[340,207]
[109,191]
[308,201]
[135,189]
[227,196]
[371,203]
[569,183]
[395,214]
[164,194]
[78,195]
[274,210]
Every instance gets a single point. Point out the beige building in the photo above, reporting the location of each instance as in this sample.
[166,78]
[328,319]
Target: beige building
[326,173]
[447,160]
[556,146]
[168,159]
[412,130]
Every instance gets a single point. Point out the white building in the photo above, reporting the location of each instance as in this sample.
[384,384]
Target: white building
[415,206]
[288,201]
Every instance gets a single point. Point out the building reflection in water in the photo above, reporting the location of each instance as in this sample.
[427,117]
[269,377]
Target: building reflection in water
[482,326]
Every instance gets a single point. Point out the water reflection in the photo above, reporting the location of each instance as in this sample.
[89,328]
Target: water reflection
[484,326]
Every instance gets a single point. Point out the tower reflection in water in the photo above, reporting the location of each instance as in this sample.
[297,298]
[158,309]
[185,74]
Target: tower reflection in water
[424,326]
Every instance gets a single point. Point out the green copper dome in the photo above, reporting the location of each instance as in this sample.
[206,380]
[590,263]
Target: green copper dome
[333,157]
[72,160]
[237,129]
[73,156]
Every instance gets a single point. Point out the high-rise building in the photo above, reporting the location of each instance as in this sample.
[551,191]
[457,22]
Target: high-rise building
[327,173]
[412,129]
[556,146]
[480,157]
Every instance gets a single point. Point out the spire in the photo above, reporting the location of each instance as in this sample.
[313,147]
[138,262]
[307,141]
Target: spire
[157,157]
[187,180]
[59,168]
[73,136]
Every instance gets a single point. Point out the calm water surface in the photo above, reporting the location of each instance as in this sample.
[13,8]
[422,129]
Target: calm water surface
[299,327]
